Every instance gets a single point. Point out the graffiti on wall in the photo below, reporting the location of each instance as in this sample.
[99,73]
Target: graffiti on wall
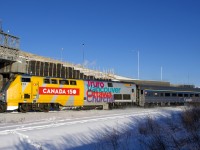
[98,92]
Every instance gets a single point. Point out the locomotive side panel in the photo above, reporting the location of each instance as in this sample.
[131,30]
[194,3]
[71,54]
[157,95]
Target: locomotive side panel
[101,93]
[34,90]
[61,91]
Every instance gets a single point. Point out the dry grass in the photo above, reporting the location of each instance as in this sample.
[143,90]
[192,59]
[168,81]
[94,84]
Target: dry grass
[181,131]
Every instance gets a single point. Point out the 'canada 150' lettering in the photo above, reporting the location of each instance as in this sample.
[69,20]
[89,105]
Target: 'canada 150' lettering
[58,91]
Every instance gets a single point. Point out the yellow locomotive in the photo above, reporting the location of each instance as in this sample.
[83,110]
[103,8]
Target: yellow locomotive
[30,93]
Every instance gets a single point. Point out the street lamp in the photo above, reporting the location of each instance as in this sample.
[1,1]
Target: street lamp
[161,72]
[61,53]
[138,63]
[83,54]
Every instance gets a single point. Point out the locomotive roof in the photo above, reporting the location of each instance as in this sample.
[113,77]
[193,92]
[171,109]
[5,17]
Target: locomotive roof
[100,80]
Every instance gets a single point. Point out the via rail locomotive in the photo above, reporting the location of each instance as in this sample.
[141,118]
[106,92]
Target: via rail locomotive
[35,93]
[26,93]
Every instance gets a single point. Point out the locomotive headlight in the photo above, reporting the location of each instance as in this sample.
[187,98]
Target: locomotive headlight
[2,97]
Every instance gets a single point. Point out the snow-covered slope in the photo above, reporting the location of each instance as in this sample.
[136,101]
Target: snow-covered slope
[67,129]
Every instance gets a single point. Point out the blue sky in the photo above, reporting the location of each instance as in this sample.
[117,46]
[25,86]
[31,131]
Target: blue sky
[165,32]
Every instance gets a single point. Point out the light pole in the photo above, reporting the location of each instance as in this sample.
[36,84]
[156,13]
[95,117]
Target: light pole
[138,63]
[61,53]
[161,69]
[83,54]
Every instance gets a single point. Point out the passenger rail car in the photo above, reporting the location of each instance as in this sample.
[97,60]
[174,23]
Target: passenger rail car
[26,93]
[166,96]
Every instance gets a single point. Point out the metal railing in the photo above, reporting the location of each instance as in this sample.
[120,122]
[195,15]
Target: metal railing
[9,41]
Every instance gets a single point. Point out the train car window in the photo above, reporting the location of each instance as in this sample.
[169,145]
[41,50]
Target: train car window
[26,79]
[54,81]
[180,95]
[161,94]
[126,96]
[132,90]
[72,82]
[110,84]
[174,94]
[167,94]
[117,96]
[64,82]
[185,95]
[191,95]
[196,95]
[47,81]
[156,94]
[149,93]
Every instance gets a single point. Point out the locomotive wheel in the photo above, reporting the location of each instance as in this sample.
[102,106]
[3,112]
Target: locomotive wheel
[24,108]
[44,107]
[55,107]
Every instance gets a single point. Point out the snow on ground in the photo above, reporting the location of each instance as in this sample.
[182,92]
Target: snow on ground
[69,129]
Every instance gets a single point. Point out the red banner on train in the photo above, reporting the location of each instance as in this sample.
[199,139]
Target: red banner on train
[58,91]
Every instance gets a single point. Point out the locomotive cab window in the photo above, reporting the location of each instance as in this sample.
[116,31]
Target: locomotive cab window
[54,81]
[72,82]
[110,84]
[64,82]
[47,81]
[26,79]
